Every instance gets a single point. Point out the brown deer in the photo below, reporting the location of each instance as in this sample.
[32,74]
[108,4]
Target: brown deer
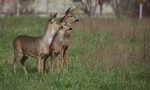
[38,47]
[56,48]
[61,42]
[67,36]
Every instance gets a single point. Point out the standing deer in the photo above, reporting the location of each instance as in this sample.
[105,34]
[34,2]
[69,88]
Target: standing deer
[67,36]
[62,40]
[56,48]
[38,47]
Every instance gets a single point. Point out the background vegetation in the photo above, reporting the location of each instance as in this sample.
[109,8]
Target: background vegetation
[105,54]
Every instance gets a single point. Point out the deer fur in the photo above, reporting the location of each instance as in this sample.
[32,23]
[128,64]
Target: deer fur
[67,36]
[61,42]
[56,48]
[38,47]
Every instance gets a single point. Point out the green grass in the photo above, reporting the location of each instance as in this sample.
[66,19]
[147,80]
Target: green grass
[98,59]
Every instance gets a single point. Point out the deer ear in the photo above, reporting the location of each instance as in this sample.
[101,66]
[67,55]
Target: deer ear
[54,16]
[52,19]
[73,10]
[67,11]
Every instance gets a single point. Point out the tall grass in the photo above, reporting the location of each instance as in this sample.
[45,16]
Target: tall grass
[107,54]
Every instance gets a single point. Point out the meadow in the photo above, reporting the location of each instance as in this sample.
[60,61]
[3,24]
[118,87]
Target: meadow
[105,54]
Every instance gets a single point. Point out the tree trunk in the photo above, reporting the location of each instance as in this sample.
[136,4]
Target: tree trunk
[140,10]
[18,9]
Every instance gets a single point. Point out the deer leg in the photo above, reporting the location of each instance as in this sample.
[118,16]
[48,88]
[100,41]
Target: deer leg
[45,62]
[14,64]
[17,56]
[62,59]
[57,62]
[49,62]
[65,61]
[52,61]
[42,65]
[24,58]
[39,64]
[42,62]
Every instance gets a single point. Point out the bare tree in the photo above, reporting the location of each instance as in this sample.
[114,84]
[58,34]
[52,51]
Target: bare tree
[122,7]
[89,6]
[101,6]
[17,8]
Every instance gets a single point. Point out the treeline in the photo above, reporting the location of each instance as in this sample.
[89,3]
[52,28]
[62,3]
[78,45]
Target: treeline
[120,7]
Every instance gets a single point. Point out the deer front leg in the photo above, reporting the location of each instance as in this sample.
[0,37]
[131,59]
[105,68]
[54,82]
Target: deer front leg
[17,56]
[62,58]
[65,58]
[57,62]
[52,62]
[43,63]
[39,64]
[14,64]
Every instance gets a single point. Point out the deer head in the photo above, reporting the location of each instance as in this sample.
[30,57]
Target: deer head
[69,17]
[52,22]
[65,27]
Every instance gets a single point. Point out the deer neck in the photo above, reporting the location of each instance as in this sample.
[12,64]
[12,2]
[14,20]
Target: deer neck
[48,35]
[60,36]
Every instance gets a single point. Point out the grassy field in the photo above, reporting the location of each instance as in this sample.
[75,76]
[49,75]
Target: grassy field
[105,54]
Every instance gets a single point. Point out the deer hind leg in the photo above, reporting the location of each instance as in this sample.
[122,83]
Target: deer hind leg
[24,58]
[14,64]
[17,56]
[65,58]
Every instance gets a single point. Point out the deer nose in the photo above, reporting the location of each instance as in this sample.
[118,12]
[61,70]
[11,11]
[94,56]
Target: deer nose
[77,20]
[70,29]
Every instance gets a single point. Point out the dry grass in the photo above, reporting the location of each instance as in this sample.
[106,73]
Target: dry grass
[123,40]
[2,30]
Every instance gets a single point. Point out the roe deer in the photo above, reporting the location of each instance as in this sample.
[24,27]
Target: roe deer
[67,37]
[56,47]
[38,47]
